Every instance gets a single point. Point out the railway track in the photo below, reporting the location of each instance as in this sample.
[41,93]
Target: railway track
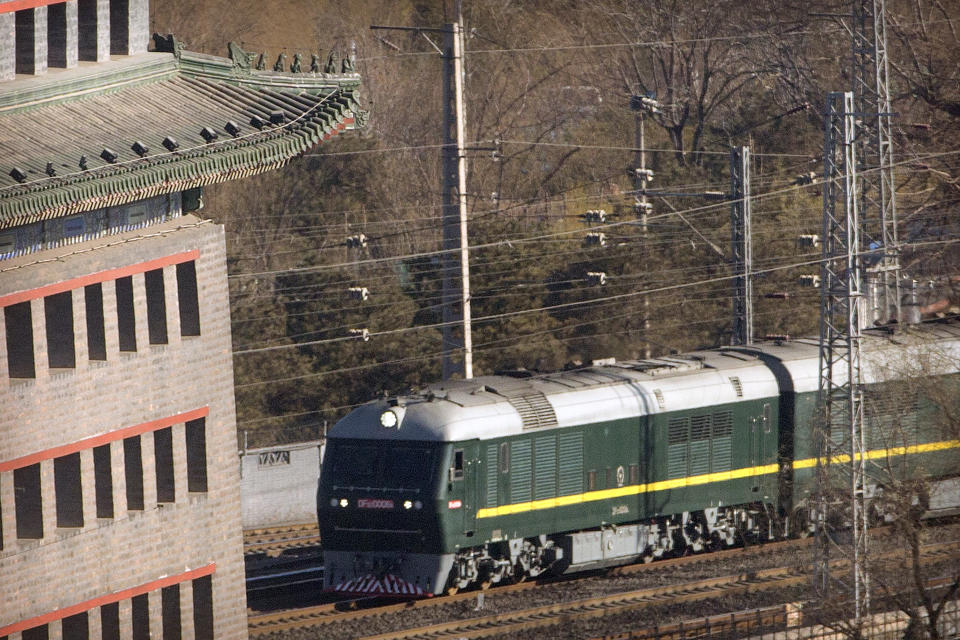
[324,614]
[550,615]
[274,540]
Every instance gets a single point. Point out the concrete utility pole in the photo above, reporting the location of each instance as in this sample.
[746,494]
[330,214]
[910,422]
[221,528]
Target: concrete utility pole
[456,266]
[840,393]
[456,256]
[741,246]
[878,204]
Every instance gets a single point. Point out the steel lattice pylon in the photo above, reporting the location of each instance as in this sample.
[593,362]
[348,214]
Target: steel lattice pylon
[840,396]
[878,207]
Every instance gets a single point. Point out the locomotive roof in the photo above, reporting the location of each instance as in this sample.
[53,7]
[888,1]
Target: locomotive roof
[497,406]
[889,352]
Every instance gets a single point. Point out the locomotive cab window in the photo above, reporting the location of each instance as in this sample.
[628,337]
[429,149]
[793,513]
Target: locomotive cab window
[456,471]
[766,417]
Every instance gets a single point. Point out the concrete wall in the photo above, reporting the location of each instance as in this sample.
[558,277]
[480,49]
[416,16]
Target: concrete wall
[197,535]
[279,485]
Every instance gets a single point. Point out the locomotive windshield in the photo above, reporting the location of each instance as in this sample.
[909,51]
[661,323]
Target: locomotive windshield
[380,466]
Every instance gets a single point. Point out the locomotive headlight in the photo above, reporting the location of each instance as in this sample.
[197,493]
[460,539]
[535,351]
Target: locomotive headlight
[407,504]
[334,502]
[344,502]
[389,419]
[418,505]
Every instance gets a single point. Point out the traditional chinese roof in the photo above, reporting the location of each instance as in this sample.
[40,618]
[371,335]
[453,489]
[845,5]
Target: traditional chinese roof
[67,139]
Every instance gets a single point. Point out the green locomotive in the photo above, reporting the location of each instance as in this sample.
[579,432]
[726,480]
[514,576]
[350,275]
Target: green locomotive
[502,477]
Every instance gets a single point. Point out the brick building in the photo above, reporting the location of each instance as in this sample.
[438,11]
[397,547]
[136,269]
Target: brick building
[119,481]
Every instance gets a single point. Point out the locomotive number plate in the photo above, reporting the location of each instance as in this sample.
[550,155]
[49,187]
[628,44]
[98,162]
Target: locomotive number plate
[374,503]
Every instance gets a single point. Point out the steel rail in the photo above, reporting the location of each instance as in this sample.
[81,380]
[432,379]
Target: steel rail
[348,610]
[272,540]
[323,614]
[554,614]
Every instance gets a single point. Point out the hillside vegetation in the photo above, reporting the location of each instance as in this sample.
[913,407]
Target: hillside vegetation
[548,87]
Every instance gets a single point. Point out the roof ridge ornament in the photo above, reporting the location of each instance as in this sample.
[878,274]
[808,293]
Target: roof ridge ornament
[241,58]
[168,44]
[333,62]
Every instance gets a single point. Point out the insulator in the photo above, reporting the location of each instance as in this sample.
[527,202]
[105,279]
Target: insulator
[777,337]
[641,208]
[358,241]
[363,334]
[596,277]
[598,239]
[777,295]
[359,293]
[805,178]
[642,174]
[809,240]
[595,215]
[810,280]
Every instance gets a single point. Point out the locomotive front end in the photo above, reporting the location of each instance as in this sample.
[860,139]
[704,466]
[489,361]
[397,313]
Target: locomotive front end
[376,507]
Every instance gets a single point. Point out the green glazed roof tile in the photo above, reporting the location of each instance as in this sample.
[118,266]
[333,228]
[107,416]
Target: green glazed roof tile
[50,123]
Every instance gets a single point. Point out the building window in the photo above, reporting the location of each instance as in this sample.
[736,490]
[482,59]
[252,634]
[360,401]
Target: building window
[87,32]
[69,495]
[57,35]
[119,27]
[591,480]
[25,41]
[187,298]
[19,321]
[103,480]
[110,621]
[133,470]
[76,627]
[58,312]
[156,306]
[163,459]
[203,608]
[170,608]
[37,633]
[140,616]
[126,317]
[29,505]
[96,336]
[196,455]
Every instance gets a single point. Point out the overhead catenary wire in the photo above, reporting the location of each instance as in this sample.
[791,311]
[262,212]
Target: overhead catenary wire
[476,247]
[490,318]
